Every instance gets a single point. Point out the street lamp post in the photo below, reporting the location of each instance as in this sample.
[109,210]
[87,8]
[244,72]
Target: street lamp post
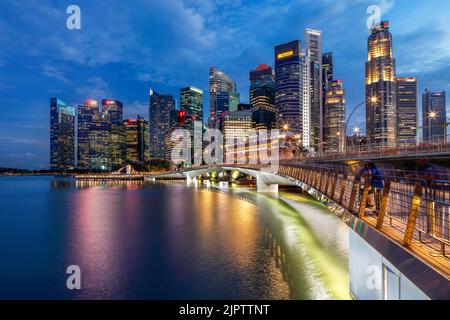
[373,100]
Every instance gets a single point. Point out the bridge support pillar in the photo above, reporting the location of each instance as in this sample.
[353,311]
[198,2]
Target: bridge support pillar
[191,180]
[262,187]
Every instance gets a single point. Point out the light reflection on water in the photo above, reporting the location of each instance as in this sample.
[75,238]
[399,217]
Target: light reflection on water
[153,242]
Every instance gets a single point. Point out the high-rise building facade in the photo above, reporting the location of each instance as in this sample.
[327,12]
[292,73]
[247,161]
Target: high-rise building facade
[192,106]
[86,115]
[226,102]
[313,43]
[136,137]
[262,88]
[262,71]
[262,97]
[289,87]
[219,81]
[160,106]
[263,119]
[236,126]
[62,135]
[334,118]
[381,111]
[434,116]
[327,72]
[113,111]
[177,120]
[100,144]
[406,111]
[306,137]
[191,101]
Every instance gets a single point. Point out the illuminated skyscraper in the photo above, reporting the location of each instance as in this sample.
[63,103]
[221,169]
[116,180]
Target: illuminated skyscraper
[262,88]
[113,112]
[434,116]
[62,135]
[334,117]
[136,137]
[306,136]
[177,120]
[381,113]
[289,87]
[160,106]
[406,111]
[218,82]
[327,72]
[262,97]
[226,102]
[86,115]
[236,126]
[262,71]
[100,144]
[313,40]
[192,103]
[192,111]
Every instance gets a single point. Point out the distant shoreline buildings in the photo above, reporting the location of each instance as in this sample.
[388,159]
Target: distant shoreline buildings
[299,96]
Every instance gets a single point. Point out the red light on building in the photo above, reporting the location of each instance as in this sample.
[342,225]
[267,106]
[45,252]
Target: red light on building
[262,67]
[386,24]
[408,79]
[181,117]
[90,103]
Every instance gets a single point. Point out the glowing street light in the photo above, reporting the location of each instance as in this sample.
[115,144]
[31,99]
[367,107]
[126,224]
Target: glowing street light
[433,115]
[285,127]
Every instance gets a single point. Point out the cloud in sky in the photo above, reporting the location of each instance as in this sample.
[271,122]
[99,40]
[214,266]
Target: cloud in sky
[94,88]
[125,48]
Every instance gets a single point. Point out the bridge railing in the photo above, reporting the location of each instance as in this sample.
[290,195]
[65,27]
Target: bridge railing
[415,209]
[377,151]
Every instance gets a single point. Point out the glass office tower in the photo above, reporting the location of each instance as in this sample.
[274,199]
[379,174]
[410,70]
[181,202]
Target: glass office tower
[113,110]
[334,118]
[160,107]
[86,114]
[406,111]
[289,87]
[62,135]
[262,97]
[136,137]
[313,43]
[219,81]
[434,116]
[381,111]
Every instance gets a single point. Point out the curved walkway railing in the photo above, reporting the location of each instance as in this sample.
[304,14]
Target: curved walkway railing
[412,211]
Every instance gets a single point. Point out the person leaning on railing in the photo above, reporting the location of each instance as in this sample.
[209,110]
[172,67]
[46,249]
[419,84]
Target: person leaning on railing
[370,171]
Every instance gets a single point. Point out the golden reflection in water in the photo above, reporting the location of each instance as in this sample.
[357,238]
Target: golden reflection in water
[221,211]
[177,228]
[230,225]
[95,244]
[128,185]
[217,211]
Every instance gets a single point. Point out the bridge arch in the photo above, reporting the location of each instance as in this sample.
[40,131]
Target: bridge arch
[266,182]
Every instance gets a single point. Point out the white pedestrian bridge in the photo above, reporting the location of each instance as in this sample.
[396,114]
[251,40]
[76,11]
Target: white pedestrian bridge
[267,181]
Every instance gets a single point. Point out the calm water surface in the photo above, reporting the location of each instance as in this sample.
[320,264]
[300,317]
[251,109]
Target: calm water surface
[166,241]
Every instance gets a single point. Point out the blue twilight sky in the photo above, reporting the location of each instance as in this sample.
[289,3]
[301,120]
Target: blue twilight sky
[124,48]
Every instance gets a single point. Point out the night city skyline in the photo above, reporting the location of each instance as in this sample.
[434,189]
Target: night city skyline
[219,158]
[145,48]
